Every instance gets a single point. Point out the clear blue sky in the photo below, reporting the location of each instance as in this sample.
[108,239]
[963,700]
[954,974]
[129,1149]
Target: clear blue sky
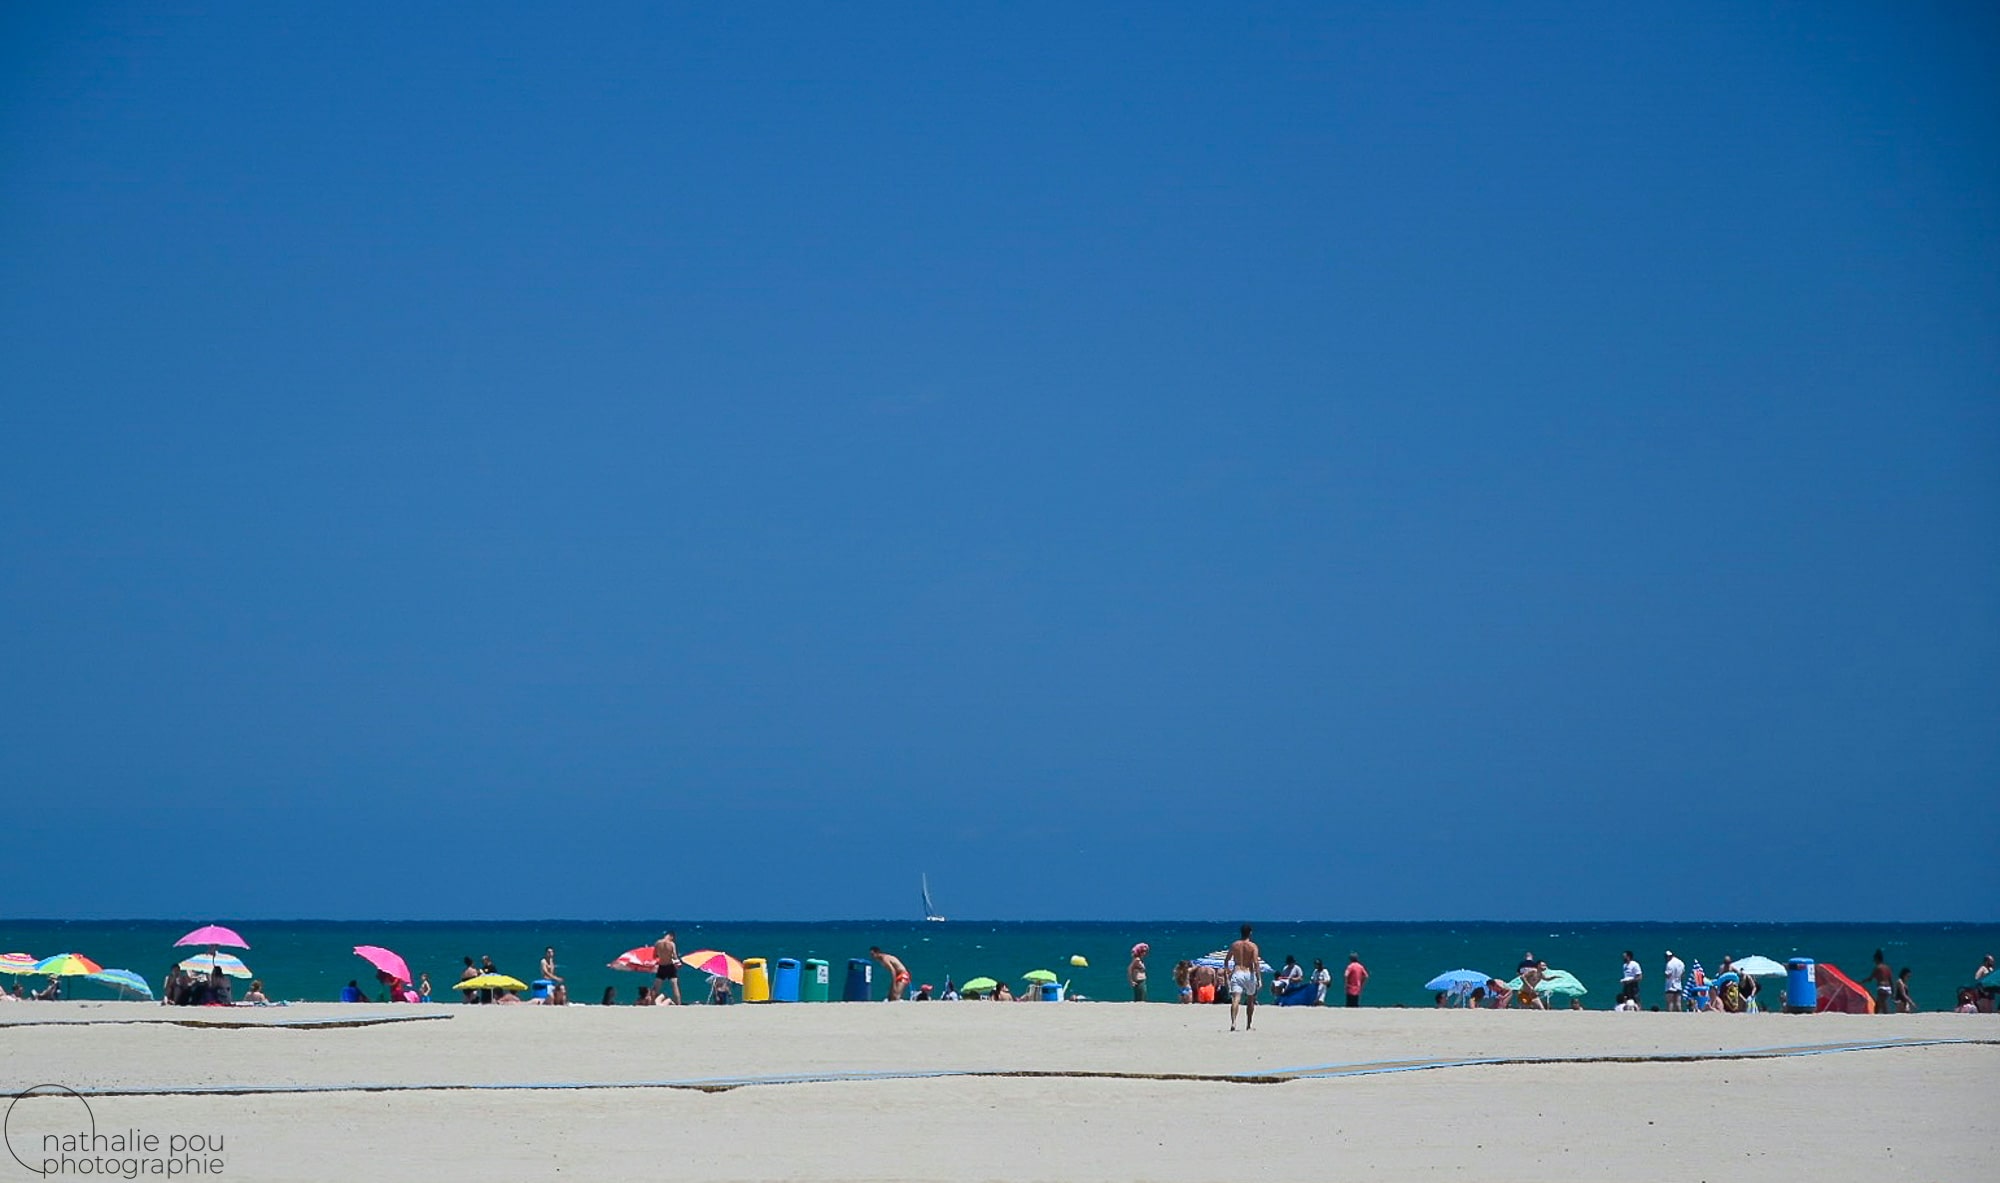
[1487,461]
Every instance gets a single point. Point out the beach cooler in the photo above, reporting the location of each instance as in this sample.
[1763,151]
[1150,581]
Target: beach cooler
[816,981]
[540,988]
[860,980]
[1051,992]
[1801,987]
[785,982]
[756,983]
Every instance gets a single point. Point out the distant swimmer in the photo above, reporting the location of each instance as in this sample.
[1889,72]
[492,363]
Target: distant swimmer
[899,978]
[1245,978]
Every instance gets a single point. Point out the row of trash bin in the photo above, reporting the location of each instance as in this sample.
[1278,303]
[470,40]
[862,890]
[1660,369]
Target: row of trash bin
[811,980]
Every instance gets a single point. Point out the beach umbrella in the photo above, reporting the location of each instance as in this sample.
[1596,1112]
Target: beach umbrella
[490,982]
[205,963]
[1220,958]
[124,979]
[385,961]
[213,935]
[67,965]
[1991,981]
[1760,967]
[1079,961]
[1039,975]
[716,964]
[979,986]
[1556,981]
[640,960]
[1458,981]
[18,963]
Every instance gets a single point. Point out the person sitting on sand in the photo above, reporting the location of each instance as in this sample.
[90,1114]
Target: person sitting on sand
[611,996]
[899,976]
[1289,977]
[256,995]
[1003,994]
[352,991]
[506,998]
[51,992]
[644,997]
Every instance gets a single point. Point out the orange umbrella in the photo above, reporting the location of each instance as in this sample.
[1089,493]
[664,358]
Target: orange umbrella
[710,961]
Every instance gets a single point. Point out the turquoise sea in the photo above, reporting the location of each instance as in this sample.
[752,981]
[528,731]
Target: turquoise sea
[312,959]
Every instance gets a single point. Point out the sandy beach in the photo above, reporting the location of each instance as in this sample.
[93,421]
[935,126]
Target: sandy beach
[1027,1091]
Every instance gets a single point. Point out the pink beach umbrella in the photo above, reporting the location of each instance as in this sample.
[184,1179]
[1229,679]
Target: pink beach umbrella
[385,961]
[214,936]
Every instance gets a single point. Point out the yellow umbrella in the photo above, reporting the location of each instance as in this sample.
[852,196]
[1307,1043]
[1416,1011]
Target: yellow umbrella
[490,982]
[710,961]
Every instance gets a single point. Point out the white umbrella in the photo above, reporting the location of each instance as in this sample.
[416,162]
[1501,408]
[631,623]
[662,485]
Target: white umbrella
[1758,967]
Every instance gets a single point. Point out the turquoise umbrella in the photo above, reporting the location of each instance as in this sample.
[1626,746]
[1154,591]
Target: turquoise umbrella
[124,979]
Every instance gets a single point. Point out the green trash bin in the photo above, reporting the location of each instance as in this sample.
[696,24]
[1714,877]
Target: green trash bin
[815,981]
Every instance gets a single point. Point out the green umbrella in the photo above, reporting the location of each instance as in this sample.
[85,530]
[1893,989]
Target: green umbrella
[979,986]
[1556,981]
[1040,975]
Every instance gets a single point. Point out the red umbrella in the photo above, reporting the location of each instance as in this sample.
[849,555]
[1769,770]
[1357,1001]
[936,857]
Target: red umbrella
[385,961]
[213,935]
[639,960]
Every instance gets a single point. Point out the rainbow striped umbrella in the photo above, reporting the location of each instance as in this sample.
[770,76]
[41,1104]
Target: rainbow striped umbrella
[67,965]
[18,963]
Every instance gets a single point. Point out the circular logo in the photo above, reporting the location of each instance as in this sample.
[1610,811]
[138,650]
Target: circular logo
[38,1121]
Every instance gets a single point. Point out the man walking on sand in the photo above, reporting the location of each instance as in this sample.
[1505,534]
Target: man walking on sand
[1245,978]
[899,978]
[668,954]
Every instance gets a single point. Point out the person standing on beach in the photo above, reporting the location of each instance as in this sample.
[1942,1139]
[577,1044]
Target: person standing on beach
[470,972]
[1357,977]
[668,955]
[899,976]
[1883,981]
[549,973]
[1628,978]
[1672,977]
[1322,980]
[1135,973]
[1246,977]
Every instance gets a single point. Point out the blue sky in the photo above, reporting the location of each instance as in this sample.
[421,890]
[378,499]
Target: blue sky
[1460,461]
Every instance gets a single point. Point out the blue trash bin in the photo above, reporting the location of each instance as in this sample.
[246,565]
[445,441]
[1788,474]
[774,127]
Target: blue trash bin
[1801,989]
[540,987]
[860,980]
[785,983]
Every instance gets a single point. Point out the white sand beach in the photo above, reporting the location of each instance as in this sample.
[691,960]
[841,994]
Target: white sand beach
[966,1091]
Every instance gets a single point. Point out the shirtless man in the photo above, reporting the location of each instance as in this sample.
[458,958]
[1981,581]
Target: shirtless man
[669,970]
[899,978]
[1245,978]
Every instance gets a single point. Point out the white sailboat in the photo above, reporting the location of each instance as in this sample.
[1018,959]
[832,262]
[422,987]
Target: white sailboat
[930,909]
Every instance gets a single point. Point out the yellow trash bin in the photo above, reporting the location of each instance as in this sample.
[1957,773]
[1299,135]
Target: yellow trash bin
[756,983]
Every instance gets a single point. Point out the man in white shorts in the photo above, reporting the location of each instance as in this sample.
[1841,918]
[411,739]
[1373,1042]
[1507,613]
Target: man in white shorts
[1245,979]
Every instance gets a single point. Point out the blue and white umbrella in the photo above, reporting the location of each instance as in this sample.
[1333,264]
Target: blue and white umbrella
[1220,958]
[124,979]
[1458,981]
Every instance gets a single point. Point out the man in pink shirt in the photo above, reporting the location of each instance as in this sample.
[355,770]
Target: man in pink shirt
[1357,976]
